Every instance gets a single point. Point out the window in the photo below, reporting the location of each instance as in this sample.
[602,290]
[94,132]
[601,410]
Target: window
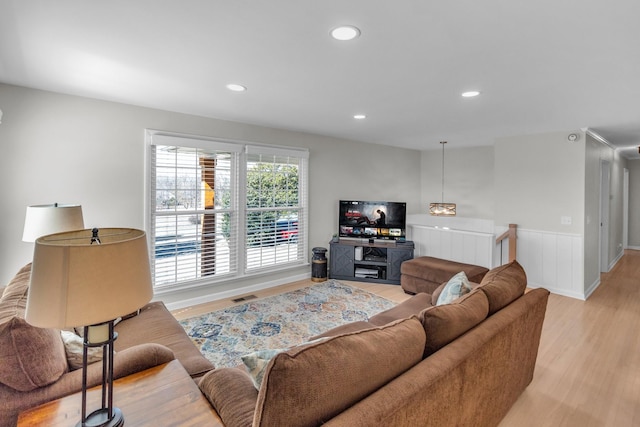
[274,206]
[221,210]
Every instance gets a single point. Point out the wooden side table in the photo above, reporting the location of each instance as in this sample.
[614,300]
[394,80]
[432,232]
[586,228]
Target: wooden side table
[161,396]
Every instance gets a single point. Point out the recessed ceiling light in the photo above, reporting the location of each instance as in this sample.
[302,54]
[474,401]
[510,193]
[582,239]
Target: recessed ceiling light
[471,94]
[359,116]
[345,32]
[236,87]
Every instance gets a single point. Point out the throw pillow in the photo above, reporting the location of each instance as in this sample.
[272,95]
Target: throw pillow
[73,345]
[256,363]
[457,286]
[444,323]
[30,357]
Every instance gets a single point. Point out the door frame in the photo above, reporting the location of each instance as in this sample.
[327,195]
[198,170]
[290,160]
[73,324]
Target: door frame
[605,193]
[625,209]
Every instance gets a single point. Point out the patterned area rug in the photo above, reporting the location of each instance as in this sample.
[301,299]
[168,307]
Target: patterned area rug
[279,321]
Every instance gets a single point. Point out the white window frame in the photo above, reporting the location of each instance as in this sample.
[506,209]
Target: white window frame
[243,149]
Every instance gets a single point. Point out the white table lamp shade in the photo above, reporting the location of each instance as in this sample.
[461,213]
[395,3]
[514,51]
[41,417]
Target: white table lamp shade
[41,220]
[76,283]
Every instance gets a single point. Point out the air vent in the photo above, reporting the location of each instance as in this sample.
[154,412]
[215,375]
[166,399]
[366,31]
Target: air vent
[244,298]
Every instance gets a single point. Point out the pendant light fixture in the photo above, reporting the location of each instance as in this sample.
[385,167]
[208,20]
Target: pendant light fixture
[442,208]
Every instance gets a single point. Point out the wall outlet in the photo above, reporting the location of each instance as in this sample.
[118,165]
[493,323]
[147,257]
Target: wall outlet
[565,220]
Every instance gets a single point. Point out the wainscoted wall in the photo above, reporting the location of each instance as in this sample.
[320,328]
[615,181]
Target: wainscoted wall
[552,260]
[469,247]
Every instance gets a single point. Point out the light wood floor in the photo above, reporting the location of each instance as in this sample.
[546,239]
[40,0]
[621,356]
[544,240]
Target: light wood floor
[588,368]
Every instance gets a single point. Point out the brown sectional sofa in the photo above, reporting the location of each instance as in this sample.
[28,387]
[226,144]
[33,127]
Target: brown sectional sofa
[460,364]
[33,363]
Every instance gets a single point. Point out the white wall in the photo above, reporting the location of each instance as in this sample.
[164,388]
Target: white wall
[553,261]
[67,149]
[634,203]
[531,181]
[549,178]
[469,180]
[538,180]
[534,181]
[464,246]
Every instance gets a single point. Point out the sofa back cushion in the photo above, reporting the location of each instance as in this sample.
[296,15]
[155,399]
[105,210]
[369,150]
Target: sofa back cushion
[411,307]
[309,385]
[444,323]
[503,285]
[30,357]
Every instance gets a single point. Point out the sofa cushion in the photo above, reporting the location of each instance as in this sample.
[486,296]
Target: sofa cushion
[311,384]
[444,323]
[504,284]
[30,357]
[410,307]
[256,362]
[457,286]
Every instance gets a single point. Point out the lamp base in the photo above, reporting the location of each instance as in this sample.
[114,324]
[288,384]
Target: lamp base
[100,418]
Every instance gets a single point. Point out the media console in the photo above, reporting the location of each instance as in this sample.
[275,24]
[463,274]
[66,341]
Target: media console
[376,261]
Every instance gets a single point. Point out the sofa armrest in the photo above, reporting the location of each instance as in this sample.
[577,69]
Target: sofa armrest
[232,394]
[156,324]
[138,358]
[126,362]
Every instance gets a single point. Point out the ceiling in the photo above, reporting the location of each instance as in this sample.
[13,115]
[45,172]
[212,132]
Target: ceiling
[541,66]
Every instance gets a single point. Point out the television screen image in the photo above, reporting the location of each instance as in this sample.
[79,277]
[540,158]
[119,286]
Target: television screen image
[370,231]
[346,230]
[395,232]
[367,219]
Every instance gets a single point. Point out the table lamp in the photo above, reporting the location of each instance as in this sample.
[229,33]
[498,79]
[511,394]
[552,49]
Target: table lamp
[90,278]
[41,220]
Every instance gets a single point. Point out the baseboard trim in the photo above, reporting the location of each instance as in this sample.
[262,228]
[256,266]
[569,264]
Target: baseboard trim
[615,261]
[591,289]
[559,291]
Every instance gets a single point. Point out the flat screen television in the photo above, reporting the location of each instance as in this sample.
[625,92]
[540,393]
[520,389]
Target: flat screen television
[372,220]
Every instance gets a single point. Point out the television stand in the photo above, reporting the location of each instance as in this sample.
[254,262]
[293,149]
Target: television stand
[361,260]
